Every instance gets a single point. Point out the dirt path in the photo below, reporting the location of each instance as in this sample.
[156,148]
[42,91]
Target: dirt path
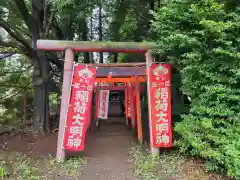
[107,152]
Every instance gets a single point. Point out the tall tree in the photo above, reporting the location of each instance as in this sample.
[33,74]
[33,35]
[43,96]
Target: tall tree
[23,29]
[35,24]
[100,27]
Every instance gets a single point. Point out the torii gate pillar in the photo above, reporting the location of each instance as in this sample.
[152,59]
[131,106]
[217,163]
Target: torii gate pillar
[149,60]
[66,91]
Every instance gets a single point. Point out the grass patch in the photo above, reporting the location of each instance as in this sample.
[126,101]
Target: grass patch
[70,168]
[19,166]
[163,167]
[170,166]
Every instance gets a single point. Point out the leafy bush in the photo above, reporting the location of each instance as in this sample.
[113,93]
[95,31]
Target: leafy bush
[201,38]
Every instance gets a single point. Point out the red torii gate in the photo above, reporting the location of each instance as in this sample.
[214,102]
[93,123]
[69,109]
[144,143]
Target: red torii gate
[127,73]
[70,47]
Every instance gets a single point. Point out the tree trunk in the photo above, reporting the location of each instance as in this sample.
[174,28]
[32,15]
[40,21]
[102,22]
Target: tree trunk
[152,5]
[115,57]
[100,28]
[91,37]
[85,38]
[34,22]
[40,98]
[40,76]
[161,2]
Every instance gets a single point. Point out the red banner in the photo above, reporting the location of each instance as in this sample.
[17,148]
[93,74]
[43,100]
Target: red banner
[79,108]
[103,101]
[128,103]
[97,103]
[160,97]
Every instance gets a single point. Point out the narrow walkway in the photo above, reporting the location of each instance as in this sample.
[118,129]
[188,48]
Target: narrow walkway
[107,152]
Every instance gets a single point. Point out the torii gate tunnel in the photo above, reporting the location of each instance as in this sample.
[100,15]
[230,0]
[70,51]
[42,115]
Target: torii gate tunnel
[106,73]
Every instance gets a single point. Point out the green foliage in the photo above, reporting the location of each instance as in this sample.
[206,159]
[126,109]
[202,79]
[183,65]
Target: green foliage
[2,171]
[72,167]
[54,102]
[201,38]
[19,166]
[23,168]
[15,79]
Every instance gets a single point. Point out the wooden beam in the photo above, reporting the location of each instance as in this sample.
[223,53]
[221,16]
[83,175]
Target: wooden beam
[121,71]
[118,65]
[114,88]
[128,79]
[90,46]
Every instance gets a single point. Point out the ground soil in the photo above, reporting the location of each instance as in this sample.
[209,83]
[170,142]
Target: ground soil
[107,153]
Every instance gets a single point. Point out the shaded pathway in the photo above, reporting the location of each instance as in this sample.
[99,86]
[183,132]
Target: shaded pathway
[107,152]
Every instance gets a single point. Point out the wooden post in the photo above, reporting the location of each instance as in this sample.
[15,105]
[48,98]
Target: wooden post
[96,120]
[155,151]
[126,105]
[66,90]
[90,114]
[139,118]
[90,117]
[132,105]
